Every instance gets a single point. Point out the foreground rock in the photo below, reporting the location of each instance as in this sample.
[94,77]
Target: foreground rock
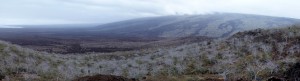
[293,74]
[104,78]
[274,79]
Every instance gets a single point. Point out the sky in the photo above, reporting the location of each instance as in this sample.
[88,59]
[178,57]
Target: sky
[30,12]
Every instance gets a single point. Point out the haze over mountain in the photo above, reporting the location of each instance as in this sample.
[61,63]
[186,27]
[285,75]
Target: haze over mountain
[211,25]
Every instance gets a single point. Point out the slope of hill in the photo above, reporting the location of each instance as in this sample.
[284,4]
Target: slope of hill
[213,25]
[250,55]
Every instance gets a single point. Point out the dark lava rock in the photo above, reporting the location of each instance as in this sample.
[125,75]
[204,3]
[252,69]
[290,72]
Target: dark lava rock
[293,74]
[100,77]
[274,79]
[2,77]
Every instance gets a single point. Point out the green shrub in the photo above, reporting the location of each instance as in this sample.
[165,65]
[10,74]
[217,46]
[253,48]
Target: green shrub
[2,47]
[201,70]
[163,72]
[139,62]
[174,71]
[14,49]
[219,56]
[125,72]
[57,63]
[190,68]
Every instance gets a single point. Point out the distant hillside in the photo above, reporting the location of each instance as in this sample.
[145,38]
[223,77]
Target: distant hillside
[212,25]
[250,55]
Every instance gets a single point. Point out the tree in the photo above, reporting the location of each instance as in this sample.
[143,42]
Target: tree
[255,67]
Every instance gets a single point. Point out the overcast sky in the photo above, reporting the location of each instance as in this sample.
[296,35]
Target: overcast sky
[103,11]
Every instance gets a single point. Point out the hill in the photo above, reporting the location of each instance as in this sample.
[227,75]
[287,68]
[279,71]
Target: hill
[211,25]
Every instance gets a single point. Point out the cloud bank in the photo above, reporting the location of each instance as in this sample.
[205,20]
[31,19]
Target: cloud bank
[103,11]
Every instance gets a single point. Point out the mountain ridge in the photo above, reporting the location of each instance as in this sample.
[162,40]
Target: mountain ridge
[212,25]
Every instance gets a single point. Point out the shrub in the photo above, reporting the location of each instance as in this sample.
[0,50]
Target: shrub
[202,70]
[15,49]
[2,47]
[174,71]
[219,56]
[190,68]
[125,72]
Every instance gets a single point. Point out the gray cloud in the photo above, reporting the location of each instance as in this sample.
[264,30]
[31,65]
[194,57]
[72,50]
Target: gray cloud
[104,11]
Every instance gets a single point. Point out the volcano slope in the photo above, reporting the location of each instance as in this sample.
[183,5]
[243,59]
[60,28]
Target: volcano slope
[250,55]
[210,25]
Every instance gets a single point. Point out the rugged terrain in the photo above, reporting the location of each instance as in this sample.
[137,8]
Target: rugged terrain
[250,55]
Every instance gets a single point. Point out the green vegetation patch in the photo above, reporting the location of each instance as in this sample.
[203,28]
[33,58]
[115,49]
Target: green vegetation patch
[2,46]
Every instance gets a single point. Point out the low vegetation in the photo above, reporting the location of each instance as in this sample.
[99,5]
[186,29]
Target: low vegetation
[250,55]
